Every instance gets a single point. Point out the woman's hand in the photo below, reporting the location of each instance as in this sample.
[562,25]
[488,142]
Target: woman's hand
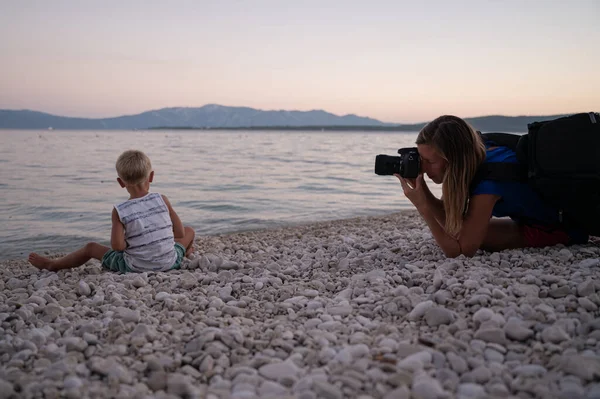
[414,189]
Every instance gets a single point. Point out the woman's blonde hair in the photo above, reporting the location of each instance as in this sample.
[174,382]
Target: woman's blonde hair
[133,167]
[460,145]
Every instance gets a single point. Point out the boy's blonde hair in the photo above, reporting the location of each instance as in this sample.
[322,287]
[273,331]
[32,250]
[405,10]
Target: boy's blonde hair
[133,167]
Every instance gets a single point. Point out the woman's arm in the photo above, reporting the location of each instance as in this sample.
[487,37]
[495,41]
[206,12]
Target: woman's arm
[475,223]
[436,205]
[473,230]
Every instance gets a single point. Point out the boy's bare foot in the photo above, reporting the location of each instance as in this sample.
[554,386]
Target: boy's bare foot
[189,251]
[40,262]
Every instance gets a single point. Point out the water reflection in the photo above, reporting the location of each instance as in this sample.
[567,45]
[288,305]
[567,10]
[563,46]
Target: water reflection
[58,187]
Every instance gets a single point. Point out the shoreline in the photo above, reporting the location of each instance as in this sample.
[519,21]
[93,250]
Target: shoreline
[281,226]
[363,306]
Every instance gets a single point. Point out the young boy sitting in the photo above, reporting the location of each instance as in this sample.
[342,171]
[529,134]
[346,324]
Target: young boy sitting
[147,235]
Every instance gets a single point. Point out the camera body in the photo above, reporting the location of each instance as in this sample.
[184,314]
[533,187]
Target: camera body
[407,165]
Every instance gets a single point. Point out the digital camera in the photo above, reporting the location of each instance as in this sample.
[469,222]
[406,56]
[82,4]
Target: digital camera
[407,165]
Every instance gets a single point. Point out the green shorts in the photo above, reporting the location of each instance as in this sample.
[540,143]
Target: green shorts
[115,261]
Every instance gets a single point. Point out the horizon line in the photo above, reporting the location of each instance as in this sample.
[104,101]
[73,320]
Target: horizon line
[283,110]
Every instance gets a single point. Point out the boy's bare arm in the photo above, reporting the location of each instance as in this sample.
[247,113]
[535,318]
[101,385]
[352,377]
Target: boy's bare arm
[117,234]
[178,230]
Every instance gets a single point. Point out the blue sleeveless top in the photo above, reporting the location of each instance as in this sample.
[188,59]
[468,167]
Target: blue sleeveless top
[518,200]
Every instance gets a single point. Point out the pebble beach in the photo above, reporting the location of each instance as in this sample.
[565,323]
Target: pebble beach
[358,308]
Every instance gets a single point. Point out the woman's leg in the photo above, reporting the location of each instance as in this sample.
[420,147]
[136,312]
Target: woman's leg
[74,259]
[503,234]
[507,234]
[187,240]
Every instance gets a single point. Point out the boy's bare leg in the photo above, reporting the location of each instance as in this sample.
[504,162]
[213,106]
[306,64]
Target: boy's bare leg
[187,240]
[74,259]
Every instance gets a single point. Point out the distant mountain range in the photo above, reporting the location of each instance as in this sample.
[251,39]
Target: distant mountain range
[214,116]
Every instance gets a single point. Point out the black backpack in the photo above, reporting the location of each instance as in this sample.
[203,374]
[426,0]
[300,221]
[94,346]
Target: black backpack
[560,159]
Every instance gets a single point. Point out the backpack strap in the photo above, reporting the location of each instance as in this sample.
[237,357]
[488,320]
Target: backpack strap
[502,139]
[501,171]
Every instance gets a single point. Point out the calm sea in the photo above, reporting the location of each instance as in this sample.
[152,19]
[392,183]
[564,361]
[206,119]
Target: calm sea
[58,187]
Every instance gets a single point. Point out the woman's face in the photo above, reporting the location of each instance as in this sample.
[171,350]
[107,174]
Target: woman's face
[432,163]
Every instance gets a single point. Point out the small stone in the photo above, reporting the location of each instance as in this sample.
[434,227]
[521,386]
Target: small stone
[203,262]
[90,338]
[398,393]
[310,293]
[481,374]
[571,390]
[498,348]
[495,335]
[493,355]
[138,282]
[588,263]
[340,310]
[584,367]
[272,389]
[188,281]
[438,279]
[564,254]
[586,288]
[74,344]
[448,378]
[83,288]
[516,331]
[482,315]
[279,371]
[325,390]
[425,387]
[438,315]
[419,310]
[72,382]
[180,385]
[6,389]
[128,315]
[229,265]
[471,391]
[559,292]
[457,363]
[554,334]
[530,370]
[416,361]
[161,296]
[594,391]
[53,310]
[471,284]
[498,389]
[207,364]
[526,290]
[587,304]
[442,297]
[41,283]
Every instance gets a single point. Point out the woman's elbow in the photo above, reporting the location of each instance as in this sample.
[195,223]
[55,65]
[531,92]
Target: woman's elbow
[452,254]
[456,252]
[469,252]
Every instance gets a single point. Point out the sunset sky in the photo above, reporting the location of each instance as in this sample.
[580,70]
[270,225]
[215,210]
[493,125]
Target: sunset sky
[396,61]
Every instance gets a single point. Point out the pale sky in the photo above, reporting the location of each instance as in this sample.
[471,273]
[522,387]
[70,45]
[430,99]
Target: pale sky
[396,61]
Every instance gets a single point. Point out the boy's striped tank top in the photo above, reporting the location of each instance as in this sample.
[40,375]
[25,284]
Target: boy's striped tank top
[148,233]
